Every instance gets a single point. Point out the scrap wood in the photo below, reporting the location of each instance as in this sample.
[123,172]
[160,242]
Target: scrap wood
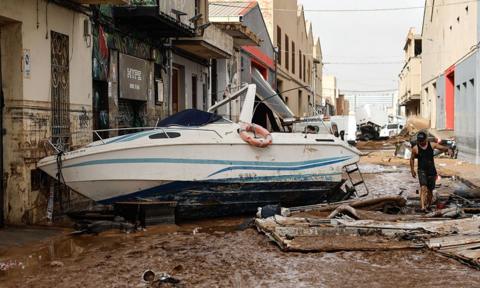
[455,238]
[441,227]
[327,237]
[470,210]
[344,243]
[448,212]
[344,209]
[464,248]
[367,204]
[362,215]
[453,241]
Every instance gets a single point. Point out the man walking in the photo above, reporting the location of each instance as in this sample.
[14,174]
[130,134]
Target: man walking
[427,173]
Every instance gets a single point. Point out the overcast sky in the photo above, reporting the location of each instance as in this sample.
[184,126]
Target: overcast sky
[363,37]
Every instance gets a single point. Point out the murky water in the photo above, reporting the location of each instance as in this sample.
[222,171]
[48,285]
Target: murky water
[222,253]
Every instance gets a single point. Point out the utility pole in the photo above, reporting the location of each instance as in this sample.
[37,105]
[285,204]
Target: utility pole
[314,84]
[275,60]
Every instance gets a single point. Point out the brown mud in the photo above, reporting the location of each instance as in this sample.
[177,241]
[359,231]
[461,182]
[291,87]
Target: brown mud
[224,253]
[216,254]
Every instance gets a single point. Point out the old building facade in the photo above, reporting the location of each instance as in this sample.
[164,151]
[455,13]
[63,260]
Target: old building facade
[255,62]
[410,87]
[85,67]
[299,57]
[329,94]
[46,93]
[450,72]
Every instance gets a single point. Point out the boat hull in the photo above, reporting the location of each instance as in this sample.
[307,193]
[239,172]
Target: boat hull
[205,170]
[214,199]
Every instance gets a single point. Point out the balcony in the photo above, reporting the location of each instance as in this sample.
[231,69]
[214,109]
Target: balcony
[410,81]
[165,18]
[242,35]
[213,44]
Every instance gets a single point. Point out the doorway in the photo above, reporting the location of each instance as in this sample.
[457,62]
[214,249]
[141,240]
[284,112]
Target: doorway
[450,99]
[194,91]
[214,82]
[100,109]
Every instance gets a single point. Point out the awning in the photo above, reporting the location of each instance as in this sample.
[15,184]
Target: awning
[268,96]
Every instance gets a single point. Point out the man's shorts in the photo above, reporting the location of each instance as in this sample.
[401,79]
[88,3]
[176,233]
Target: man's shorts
[427,180]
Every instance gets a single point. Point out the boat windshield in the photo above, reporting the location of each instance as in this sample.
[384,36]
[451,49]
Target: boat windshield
[191,117]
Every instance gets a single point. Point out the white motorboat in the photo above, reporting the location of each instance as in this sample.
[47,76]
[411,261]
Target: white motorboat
[208,169]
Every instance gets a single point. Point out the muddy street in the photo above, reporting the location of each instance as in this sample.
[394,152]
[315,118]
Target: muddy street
[228,253]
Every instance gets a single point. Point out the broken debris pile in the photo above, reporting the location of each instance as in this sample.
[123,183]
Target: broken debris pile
[341,227]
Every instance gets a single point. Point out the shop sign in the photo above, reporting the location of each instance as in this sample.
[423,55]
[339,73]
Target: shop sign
[133,82]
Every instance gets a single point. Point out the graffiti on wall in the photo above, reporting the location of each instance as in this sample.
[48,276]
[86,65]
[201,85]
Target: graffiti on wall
[84,119]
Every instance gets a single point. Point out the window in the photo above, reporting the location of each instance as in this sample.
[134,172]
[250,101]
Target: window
[300,63]
[60,90]
[303,65]
[309,73]
[164,135]
[392,126]
[279,45]
[293,57]
[197,7]
[300,102]
[287,59]
[433,7]
[418,47]
[158,84]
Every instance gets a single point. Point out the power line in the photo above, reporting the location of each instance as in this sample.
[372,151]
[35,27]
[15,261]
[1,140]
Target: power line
[369,91]
[227,4]
[363,63]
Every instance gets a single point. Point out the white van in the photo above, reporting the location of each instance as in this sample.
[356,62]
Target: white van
[346,128]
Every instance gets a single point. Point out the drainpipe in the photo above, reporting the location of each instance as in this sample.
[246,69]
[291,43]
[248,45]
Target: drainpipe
[315,67]
[275,57]
[168,101]
[209,83]
[313,87]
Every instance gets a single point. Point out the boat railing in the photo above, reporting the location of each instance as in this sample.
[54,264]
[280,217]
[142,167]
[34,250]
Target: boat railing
[163,129]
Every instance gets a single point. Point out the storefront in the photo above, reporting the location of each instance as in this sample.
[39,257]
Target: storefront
[128,83]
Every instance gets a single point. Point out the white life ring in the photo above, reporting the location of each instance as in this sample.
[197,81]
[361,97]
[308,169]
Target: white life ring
[262,142]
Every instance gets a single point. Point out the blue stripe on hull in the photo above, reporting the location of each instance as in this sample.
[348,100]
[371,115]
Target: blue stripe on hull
[205,161]
[294,168]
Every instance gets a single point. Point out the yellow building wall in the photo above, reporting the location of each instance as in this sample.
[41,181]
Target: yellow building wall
[27,112]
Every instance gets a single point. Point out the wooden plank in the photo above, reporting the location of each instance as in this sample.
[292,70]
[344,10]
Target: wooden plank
[445,227]
[453,241]
[345,243]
